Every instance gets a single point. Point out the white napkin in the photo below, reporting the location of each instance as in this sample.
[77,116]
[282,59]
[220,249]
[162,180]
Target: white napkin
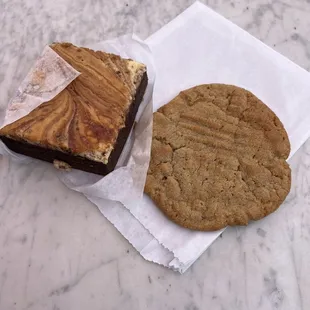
[197,47]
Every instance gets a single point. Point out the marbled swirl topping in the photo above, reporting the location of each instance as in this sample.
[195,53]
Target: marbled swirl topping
[86,117]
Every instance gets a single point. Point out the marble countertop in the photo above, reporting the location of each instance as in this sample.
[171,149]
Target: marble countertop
[56,250]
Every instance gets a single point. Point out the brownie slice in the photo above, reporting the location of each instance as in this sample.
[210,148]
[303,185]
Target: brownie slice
[87,124]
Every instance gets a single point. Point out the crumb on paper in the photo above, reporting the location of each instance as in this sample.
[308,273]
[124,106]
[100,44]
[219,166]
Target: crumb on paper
[61,165]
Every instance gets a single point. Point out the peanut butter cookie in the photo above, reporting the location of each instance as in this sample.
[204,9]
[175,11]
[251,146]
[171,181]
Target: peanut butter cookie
[218,158]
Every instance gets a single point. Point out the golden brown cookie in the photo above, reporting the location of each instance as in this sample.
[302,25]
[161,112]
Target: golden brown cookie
[218,158]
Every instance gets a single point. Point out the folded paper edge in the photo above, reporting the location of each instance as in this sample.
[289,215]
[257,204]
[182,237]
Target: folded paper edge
[46,49]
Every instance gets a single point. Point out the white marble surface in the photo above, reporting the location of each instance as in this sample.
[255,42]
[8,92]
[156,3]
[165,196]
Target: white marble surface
[58,252]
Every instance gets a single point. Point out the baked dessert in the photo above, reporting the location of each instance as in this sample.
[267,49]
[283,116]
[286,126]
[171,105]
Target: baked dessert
[87,124]
[218,158]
